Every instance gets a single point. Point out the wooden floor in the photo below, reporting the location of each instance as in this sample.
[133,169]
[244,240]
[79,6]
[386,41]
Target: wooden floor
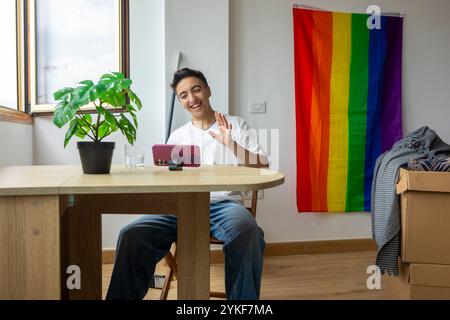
[319,276]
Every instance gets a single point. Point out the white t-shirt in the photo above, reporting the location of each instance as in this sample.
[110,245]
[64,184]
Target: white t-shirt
[213,152]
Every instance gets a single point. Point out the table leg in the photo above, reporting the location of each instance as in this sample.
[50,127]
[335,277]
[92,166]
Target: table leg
[81,247]
[193,246]
[29,247]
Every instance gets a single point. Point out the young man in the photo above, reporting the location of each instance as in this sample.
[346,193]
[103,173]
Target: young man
[222,140]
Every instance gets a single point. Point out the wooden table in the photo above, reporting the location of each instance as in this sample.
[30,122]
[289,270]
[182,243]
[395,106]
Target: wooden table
[50,219]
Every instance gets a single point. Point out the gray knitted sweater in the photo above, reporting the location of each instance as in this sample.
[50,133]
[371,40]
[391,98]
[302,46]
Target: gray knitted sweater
[422,143]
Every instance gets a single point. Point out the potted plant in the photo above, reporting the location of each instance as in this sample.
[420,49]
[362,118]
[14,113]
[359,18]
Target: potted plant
[110,93]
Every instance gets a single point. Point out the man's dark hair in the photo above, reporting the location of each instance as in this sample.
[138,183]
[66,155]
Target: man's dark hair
[185,73]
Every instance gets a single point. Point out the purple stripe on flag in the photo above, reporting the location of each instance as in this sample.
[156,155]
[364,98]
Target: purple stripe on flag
[391,112]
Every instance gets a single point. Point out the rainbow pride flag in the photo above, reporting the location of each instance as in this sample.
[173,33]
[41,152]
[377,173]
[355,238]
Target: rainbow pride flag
[348,81]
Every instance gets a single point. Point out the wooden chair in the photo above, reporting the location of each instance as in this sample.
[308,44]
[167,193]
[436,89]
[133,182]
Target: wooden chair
[171,257]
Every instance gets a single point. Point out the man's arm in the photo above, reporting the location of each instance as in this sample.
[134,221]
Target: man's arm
[249,159]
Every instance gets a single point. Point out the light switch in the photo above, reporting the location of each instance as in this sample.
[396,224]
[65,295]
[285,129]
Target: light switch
[257,107]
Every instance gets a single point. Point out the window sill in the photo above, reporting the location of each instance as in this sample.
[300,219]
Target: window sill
[49,112]
[10,115]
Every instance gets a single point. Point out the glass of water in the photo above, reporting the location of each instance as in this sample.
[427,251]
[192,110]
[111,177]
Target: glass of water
[134,156]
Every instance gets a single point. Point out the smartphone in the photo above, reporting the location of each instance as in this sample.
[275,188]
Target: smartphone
[172,154]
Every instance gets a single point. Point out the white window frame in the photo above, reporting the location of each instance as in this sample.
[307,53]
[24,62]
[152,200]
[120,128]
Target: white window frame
[19,113]
[121,64]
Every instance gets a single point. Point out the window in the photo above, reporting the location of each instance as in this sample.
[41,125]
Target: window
[74,40]
[49,44]
[9,62]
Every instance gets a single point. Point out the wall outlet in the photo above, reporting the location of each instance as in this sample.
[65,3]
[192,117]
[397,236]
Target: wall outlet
[257,107]
[247,195]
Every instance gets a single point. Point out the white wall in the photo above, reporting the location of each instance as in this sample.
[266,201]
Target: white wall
[198,29]
[148,75]
[262,68]
[16,144]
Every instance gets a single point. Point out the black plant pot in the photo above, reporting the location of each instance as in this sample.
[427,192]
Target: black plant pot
[96,157]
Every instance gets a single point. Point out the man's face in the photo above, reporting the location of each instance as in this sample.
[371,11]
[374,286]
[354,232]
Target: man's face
[194,96]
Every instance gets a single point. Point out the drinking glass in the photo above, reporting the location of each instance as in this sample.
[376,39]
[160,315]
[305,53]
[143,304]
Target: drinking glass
[134,155]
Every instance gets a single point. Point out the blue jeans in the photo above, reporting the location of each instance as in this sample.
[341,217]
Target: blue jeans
[146,241]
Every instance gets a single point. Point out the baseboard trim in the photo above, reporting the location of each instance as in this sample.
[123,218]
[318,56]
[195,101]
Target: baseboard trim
[286,249]
[108,255]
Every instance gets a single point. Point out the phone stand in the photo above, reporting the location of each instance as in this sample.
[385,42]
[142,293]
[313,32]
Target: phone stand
[175,167]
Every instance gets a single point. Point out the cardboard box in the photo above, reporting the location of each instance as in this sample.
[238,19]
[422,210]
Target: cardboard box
[425,216]
[418,282]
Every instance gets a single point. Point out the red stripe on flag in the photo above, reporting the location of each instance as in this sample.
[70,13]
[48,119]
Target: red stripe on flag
[303,56]
[320,115]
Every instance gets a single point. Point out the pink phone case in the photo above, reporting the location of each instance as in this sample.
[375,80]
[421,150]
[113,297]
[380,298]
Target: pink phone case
[184,155]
